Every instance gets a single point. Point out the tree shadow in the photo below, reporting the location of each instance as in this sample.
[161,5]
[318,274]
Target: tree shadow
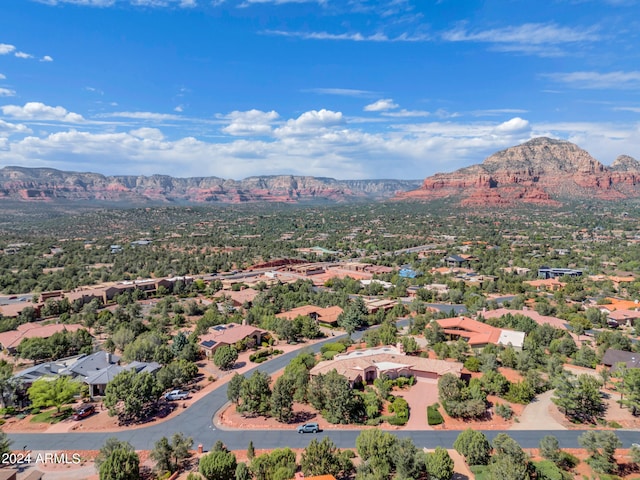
[303,417]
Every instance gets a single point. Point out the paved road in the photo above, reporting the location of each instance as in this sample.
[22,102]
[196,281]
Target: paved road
[196,422]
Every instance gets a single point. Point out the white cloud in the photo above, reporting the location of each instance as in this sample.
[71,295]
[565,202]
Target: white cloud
[40,111]
[5,48]
[7,128]
[530,38]
[354,37]
[279,2]
[407,113]
[179,109]
[381,105]
[628,109]
[251,122]
[6,92]
[513,126]
[496,111]
[141,116]
[597,80]
[345,92]
[2,77]
[310,123]
[148,134]
[23,55]
[46,58]
[89,3]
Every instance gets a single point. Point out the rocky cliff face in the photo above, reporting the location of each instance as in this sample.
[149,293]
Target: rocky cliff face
[541,171]
[47,184]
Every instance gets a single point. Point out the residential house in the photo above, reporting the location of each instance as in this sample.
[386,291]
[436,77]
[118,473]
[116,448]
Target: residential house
[623,317]
[364,366]
[455,261]
[373,305]
[546,284]
[479,334]
[550,272]
[240,297]
[96,370]
[229,334]
[10,340]
[612,358]
[327,316]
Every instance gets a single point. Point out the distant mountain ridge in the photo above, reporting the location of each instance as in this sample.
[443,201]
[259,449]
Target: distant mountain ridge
[51,185]
[541,171]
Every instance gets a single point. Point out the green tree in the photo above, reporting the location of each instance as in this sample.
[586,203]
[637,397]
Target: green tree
[225,357]
[503,444]
[474,446]
[130,394]
[255,394]
[353,317]
[505,467]
[169,455]
[579,398]
[5,443]
[121,464]
[601,445]
[109,446]
[176,374]
[218,465]
[549,448]
[9,385]
[631,389]
[324,458]
[439,464]
[333,396]
[282,399]
[53,393]
[242,472]
[234,387]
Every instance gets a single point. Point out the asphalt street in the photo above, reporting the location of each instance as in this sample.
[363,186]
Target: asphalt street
[197,422]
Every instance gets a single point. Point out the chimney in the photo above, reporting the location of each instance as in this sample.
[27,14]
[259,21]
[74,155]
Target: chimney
[108,357]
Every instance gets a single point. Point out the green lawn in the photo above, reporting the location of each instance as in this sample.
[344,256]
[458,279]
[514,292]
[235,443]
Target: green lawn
[51,416]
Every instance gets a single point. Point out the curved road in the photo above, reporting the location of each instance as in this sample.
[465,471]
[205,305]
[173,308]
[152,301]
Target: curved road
[196,422]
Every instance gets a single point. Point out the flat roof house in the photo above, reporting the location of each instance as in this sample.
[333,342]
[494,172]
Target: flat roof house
[364,366]
[479,334]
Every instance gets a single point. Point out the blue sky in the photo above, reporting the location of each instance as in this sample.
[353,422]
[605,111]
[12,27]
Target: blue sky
[337,88]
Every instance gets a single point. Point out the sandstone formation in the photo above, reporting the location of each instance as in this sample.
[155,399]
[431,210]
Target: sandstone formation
[50,185]
[541,171]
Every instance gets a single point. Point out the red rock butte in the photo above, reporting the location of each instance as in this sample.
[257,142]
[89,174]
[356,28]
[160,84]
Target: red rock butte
[542,171]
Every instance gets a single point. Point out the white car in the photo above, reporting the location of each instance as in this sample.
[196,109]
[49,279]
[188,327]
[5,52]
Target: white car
[176,395]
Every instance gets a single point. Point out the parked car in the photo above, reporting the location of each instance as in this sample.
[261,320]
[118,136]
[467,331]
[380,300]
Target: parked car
[176,395]
[309,428]
[84,411]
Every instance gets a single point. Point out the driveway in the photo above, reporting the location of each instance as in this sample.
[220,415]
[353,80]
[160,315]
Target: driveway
[536,415]
[419,397]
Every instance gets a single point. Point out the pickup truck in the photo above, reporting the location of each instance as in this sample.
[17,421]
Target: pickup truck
[176,395]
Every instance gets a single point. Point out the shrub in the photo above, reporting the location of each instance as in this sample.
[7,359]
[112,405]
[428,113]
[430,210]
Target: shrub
[333,347]
[395,420]
[433,415]
[401,409]
[504,410]
[566,461]
[547,470]
[35,411]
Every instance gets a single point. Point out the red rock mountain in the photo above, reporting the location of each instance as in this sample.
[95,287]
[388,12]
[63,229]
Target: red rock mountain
[541,171]
[50,185]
